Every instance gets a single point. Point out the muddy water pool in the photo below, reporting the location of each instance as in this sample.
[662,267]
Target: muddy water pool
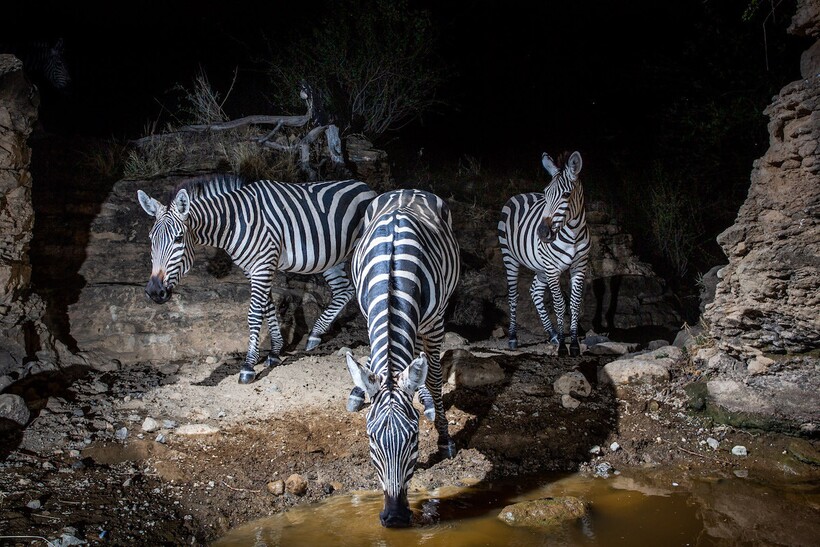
[635,509]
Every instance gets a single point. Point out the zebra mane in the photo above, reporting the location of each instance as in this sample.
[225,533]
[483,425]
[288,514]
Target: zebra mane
[208,186]
[562,158]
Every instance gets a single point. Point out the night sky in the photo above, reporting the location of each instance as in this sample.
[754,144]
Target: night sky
[523,78]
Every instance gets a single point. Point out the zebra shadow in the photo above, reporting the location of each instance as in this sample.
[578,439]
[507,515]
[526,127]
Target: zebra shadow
[518,431]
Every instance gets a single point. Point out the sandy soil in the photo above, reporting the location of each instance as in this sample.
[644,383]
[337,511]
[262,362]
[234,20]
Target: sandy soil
[74,471]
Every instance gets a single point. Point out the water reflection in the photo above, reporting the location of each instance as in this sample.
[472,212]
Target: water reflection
[626,511]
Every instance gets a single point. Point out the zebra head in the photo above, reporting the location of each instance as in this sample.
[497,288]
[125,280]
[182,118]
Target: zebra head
[172,246]
[56,68]
[558,194]
[393,432]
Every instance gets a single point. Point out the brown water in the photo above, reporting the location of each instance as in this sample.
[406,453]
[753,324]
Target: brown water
[624,511]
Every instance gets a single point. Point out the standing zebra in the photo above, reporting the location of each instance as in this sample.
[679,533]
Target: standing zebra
[547,232]
[405,269]
[264,226]
[44,63]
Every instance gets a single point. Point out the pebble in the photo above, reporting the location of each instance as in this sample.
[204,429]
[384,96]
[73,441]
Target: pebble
[121,434]
[277,488]
[713,443]
[739,450]
[595,450]
[34,504]
[614,447]
[149,424]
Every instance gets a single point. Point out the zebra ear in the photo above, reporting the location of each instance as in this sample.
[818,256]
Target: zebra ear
[362,376]
[182,203]
[574,163]
[413,376]
[549,165]
[151,206]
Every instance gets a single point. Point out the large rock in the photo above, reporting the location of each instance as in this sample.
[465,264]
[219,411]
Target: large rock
[22,332]
[767,300]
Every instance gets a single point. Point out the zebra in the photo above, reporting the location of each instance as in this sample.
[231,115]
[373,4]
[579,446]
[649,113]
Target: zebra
[547,233]
[264,226]
[405,269]
[44,62]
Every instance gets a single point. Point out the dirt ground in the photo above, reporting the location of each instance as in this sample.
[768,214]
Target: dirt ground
[90,466]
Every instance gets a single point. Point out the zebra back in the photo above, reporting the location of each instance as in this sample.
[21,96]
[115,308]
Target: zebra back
[405,268]
[304,228]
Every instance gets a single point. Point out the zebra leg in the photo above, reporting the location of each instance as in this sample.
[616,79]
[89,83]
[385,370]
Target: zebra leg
[539,285]
[425,397]
[560,307]
[432,346]
[342,291]
[276,340]
[511,267]
[260,300]
[575,298]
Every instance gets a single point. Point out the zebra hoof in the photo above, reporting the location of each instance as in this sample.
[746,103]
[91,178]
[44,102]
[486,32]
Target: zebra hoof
[273,361]
[447,450]
[246,376]
[513,343]
[562,349]
[312,342]
[574,350]
[355,401]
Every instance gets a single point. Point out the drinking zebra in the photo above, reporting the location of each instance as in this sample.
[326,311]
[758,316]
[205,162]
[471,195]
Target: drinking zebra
[547,233]
[264,226]
[405,269]
[43,62]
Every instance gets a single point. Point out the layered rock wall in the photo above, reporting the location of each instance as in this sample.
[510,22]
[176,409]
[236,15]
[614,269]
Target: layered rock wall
[18,113]
[765,318]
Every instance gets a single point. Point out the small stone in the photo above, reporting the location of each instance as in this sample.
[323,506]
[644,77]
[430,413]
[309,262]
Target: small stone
[568,401]
[149,424]
[160,438]
[653,406]
[713,443]
[121,434]
[34,504]
[277,488]
[595,450]
[169,424]
[741,473]
[296,484]
[739,450]
[614,447]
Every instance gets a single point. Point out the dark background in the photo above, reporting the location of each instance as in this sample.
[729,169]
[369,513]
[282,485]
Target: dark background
[639,87]
[582,72]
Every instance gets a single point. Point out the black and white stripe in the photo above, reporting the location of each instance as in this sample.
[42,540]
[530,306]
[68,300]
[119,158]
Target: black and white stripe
[405,269]
[44,62]
[264,226]
[547,233]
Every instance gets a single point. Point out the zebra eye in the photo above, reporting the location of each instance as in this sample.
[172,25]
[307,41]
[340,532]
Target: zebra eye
[178,239]
[565,195]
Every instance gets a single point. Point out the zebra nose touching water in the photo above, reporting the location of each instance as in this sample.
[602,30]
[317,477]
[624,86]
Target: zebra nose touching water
[405,269]
[547,233]
[264,226]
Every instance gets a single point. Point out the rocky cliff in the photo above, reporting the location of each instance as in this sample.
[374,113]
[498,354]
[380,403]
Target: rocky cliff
[765,318]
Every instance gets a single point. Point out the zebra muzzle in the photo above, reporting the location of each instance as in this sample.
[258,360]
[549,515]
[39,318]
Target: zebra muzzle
[156,290]
[396,513]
